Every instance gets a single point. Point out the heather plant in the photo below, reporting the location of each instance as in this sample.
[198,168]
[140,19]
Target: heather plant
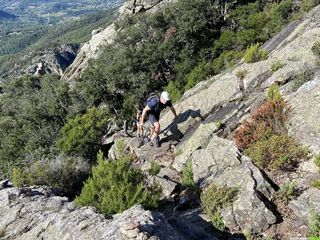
[116,186]
[214,199]
[279,152]
[264,138]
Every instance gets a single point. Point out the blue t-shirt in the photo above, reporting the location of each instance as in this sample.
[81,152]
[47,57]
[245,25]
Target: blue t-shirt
[155,105]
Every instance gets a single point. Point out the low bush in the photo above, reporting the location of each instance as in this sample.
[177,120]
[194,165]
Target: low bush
[314,226]
[155,168]
[279,152]
[187,176]
[315,183]
[63,172]
[316,49]
[241,74]
[275,66]
[254,54]
[115,186]
[286,193]
[301,78]
[317,161]
[214,199]
[269,119]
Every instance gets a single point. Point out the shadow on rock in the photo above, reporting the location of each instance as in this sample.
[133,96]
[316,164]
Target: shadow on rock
[188,225]
[176,134]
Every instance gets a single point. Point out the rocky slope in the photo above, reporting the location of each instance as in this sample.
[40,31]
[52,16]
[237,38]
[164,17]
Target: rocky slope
[202,133]
[212,151]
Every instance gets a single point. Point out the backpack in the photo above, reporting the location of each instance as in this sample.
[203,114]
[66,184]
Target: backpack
[152,96]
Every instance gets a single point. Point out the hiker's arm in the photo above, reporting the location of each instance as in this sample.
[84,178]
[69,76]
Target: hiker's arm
[173,110]
[144,113]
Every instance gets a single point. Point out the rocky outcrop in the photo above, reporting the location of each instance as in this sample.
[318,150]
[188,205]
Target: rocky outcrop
[90,49]
[219,101]
[306,204]
[37,213]
[54,61]
[218,161]
[135,6]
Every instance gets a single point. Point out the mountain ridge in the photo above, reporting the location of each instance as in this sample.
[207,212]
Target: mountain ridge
[7,16]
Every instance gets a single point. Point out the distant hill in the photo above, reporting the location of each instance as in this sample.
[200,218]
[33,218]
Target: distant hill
[6,16]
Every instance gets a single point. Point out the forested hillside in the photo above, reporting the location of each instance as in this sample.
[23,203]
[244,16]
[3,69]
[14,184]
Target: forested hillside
[42,13]
[17,51]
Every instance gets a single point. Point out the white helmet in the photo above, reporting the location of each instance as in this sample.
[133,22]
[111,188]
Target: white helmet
[165,96]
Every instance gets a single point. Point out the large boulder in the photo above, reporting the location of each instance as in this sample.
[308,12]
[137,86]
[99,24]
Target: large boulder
[304,123]
[217,160]
[306,204]
[37,213]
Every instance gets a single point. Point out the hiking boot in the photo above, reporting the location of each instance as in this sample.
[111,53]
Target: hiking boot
[157,141]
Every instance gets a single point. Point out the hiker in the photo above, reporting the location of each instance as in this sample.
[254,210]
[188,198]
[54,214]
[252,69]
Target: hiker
[153,106]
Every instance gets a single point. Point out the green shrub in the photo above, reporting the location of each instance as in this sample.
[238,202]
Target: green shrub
[115,186]
[218,124]
[314,225]
[155,168]
[274,94]
[187,176]
[254,54]
[275,66]
[316,49]
[174,91]
[225,61]
[279,152]
[286,193]
[198,74]
[214,199]
[307,5]
[301,78]
[315,183]
[280,14]
[82,135]
[317,161]
[266,121]
[242,73]
[62,172]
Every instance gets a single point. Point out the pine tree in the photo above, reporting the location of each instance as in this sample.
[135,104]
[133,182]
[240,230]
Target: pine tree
[115,186]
